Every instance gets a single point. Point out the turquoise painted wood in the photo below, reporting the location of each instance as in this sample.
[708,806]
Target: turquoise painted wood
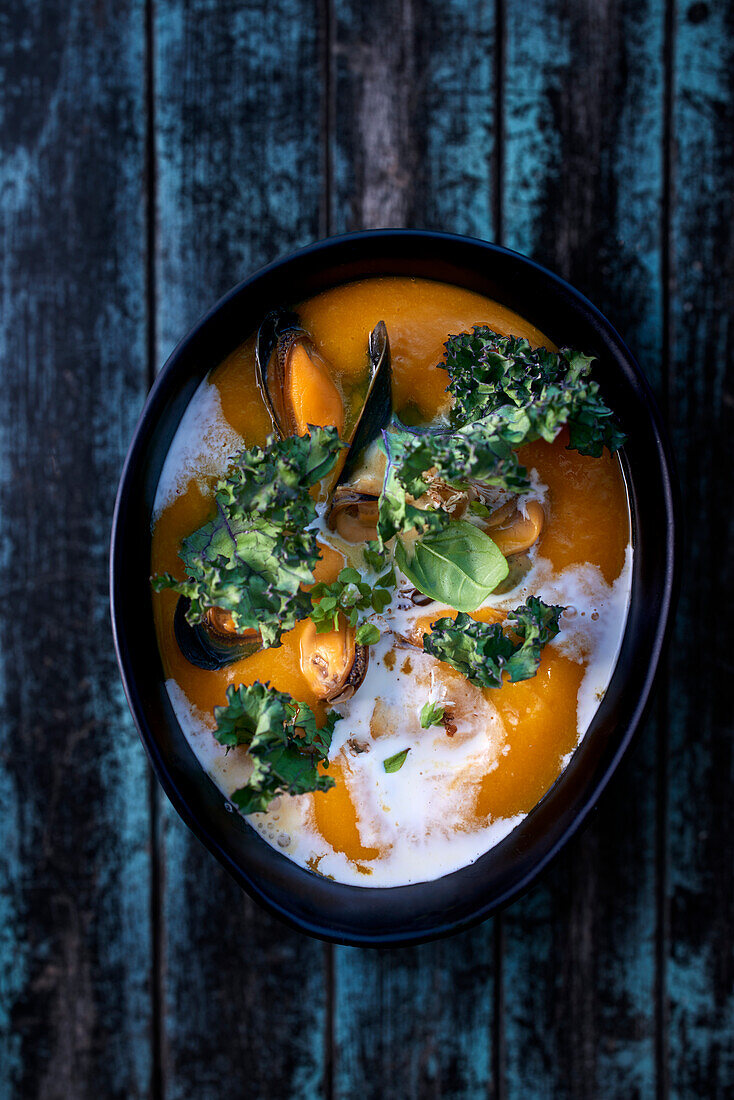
[699,966]
[583,154]
[238,114]
[153,152]
[412,129]
[413,144]
[75,966]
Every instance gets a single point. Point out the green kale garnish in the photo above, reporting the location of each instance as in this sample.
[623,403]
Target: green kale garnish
[396,513]
[506,394]
[348,595]
[283,740]
[489,372]
[252,559]
[483,652]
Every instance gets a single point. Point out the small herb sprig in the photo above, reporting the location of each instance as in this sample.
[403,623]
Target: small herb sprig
[349,596]
[431,714]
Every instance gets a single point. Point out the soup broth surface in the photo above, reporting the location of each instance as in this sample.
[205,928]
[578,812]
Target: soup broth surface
[458,793]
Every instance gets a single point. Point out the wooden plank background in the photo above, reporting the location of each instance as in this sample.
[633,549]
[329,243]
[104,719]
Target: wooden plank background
[152,152]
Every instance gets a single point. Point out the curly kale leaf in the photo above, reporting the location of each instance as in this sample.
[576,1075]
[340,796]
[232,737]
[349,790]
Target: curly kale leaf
[396,512]
[506,394]
[484,451]
[273,482]
[490,373]
[253,558]
[483,652]
[282,739]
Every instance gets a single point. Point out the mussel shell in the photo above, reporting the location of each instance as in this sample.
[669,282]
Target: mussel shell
[208,649]
[274,328]
[357,673]
[377,408]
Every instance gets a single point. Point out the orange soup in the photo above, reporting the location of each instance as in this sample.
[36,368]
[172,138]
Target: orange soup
[448,722]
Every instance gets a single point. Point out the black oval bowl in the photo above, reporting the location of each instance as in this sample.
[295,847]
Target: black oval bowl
[404,914]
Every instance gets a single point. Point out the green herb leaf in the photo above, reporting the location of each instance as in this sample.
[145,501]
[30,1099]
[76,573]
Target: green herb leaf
[283,740]
[431,715]
[349,576]
[458,565]
[506,394]
[489,372]
[367,634]
[380,599]
[253,558]
[349,595]
[395,763]
[375,555]
[396,513]
[483,652]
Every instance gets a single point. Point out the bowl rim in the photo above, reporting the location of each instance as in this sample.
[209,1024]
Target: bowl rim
[165,385]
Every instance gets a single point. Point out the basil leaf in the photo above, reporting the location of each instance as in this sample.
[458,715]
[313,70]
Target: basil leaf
[457,565]
[395,763]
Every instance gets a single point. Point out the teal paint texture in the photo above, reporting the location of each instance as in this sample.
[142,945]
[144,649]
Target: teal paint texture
[152,153]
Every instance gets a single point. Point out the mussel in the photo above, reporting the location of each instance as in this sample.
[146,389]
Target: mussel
[516,531]
[298,387]
[296,382]
[332,663]
[213,643]
[376,409]
[353,512]
[353,515]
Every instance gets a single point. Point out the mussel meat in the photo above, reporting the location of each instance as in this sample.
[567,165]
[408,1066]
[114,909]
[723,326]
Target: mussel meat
[353,515]
[296,382]
[213,643]
[517,532]
[332,663]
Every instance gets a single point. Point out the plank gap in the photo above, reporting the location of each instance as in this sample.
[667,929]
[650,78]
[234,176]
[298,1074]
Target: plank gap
[156,919]
[326,16]
[328,1090]
[498,152]
[150,194]
[154,806]
[662,1037]
[499,1091]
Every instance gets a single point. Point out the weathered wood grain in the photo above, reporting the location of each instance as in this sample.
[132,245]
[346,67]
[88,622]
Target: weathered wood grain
[238,120]
[583,185]
[274,123]
[700,851]
[74,864]
[417,1022]
[413,144]
[413,135]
